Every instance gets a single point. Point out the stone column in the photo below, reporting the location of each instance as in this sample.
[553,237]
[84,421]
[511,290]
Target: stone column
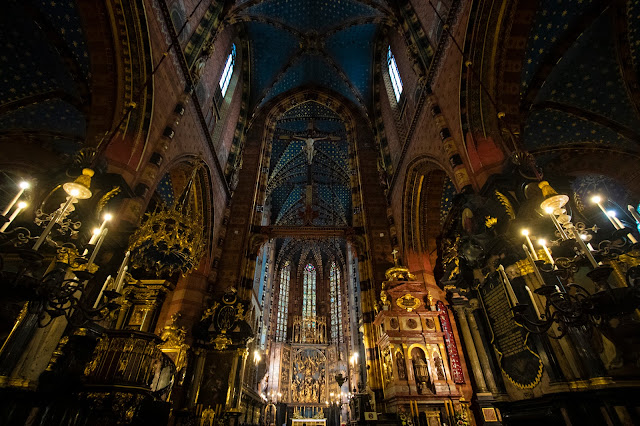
[482,353]
[476,368]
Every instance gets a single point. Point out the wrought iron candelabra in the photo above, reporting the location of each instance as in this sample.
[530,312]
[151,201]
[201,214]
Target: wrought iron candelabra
[58,290]
[567,304]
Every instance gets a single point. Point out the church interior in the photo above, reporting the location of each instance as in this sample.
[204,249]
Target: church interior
[320,212]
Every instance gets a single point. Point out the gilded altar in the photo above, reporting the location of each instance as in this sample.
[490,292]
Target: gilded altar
[311,330]
[309,378]
[306,367]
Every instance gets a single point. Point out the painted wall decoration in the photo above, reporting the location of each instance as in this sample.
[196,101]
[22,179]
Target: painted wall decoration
[452,349]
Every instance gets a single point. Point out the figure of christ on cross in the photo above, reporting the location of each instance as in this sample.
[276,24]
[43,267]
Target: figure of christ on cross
[308,147]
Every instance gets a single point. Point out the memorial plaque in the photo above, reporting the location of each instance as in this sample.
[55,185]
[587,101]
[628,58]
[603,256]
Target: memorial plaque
[521,365]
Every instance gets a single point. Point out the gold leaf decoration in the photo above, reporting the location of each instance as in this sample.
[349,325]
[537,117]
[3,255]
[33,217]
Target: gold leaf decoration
[506,204]
[106,197]
[490,221]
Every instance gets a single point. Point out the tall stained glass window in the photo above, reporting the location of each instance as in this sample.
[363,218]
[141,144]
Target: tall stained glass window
[283,303]
[396,82]
[336,303]
[228,70]
[309,292]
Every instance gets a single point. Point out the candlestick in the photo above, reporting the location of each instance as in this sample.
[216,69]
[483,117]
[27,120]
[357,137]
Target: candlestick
[614,220]
[96,233]
[21,206]
[543,243]
[559,227]
[634,213]
[507,284]
[598,200]
[22,185]
[104,287]
[120,282]
[619,225]
[585,249]
[56,217]
[525,232]
[94,237]
[533,302]
[103,234]
[122,265]
[533,263]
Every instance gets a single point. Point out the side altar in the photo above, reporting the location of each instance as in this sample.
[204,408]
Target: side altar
[419,357]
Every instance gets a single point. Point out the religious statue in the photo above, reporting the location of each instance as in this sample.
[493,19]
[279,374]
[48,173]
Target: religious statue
[438,362]
[308,147]
[402,371]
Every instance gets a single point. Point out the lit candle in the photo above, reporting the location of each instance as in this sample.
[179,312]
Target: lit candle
[533,302]
[525,232]
[634,213]
[22,185]
[123,265]
[103,234]
[96,233]
[120,282]
[56,217]
[614,220]
[619,225]
[95,236]
[507,284]
[598,200]
[21,206]
[533,263]
[104,287]
[543,243]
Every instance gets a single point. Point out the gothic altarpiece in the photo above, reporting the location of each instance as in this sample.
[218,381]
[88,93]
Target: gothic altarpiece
[307,367]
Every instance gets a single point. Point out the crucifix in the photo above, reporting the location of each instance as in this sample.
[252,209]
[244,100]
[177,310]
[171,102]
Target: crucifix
[310,137]
[308,147]
[395,257]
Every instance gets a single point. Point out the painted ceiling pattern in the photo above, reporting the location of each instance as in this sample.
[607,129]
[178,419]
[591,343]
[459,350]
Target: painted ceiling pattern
[446,201]
[327,43]
[317,252]
[165,190]
[45,70]
[584,99]
[300,193]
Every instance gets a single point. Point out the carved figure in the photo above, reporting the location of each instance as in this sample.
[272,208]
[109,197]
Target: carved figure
[400,364]
[438,362]
[308,147]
